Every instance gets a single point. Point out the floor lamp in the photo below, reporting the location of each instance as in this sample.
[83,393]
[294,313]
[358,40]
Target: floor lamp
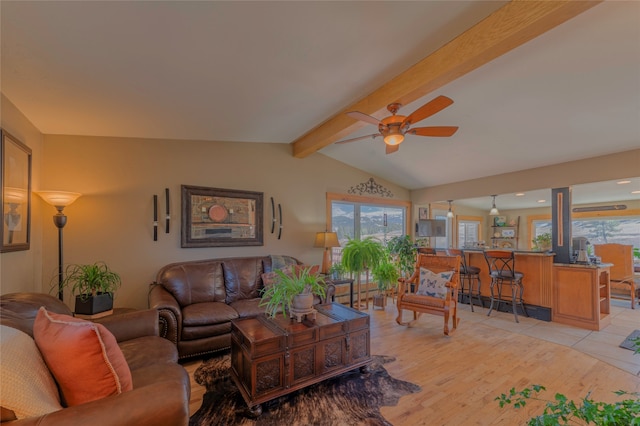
[326,240]
[59,200]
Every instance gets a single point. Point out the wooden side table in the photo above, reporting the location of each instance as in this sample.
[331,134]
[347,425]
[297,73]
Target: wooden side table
[344,281]
[114,311]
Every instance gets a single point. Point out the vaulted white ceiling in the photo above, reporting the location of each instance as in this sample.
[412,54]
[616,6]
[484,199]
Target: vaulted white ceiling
[273,71]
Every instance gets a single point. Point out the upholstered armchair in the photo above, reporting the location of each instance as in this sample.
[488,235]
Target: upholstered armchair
[432,289]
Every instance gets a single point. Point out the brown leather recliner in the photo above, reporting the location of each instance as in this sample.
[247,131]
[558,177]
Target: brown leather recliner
[161,387]
[197,300]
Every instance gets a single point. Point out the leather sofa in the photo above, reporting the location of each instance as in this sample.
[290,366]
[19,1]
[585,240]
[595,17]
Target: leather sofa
[161,387]
[197,300]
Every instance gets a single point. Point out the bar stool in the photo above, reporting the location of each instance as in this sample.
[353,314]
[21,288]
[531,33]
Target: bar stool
[469,275]
[502,272]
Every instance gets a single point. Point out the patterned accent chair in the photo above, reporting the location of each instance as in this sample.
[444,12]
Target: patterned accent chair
[432,289]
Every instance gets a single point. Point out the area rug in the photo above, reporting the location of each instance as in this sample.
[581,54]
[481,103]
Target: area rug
[353,398]
[629,342]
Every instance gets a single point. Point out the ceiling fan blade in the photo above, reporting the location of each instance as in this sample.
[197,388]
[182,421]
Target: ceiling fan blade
[375,135]
[442,131]
[363,117]
[390,149]
[428,109]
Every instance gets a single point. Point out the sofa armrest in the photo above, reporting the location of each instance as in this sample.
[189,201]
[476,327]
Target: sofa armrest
[132,325]
[161,403]
[330,292]
[169,312]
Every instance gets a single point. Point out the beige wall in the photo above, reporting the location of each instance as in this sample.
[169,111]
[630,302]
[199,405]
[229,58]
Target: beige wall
[22,270]
[118,177]
[607,167]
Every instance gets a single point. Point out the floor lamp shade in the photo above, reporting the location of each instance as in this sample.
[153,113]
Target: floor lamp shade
[59,198]
[326,240]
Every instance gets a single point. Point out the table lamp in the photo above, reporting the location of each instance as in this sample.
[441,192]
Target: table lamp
[326,240]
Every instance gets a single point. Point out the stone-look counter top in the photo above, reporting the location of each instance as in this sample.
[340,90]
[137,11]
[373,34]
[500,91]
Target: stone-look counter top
[585,265]
[527,252]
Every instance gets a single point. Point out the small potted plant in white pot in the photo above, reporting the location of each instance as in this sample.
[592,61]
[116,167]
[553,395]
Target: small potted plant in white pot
[93,286]
[292,291]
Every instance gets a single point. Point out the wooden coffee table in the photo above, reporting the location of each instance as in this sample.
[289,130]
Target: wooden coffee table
[271,357]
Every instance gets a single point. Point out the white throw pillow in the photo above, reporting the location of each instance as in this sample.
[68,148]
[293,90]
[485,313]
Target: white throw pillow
[434,284]
[28,388]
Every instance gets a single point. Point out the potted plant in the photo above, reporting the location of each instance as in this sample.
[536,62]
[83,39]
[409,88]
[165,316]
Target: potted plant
[404,251]
[336,272]
[387,275]
[360,256]
[542,242]
[93,286]
[292,290]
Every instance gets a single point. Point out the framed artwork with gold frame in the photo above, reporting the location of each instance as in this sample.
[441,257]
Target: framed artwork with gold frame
[214,217]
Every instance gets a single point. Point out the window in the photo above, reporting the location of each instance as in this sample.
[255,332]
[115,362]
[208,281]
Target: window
[360,217]
[468,233]
[600,229]
[360,220]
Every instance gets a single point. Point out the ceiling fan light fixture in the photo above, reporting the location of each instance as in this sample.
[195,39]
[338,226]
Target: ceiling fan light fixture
[394,138]
[494,210]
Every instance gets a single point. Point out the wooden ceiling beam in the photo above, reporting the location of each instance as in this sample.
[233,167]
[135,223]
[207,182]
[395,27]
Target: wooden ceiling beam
[507,28]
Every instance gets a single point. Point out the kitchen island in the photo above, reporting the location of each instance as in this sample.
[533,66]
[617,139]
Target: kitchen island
[537,268]
[573,294]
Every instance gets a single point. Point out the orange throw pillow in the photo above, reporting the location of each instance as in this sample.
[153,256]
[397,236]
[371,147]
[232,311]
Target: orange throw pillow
[83,356]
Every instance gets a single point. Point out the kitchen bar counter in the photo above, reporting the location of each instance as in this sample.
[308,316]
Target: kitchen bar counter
[576,294]
[536,266]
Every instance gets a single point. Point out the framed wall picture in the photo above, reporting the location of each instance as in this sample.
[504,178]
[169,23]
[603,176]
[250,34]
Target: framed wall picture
[423,213]
[508,233]
[15,177]
[214,217]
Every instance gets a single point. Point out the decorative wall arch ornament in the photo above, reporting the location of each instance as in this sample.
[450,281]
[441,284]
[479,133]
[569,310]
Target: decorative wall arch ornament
[370,187]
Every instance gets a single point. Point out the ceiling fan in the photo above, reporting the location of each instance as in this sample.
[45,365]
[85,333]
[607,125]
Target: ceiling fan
[394,127]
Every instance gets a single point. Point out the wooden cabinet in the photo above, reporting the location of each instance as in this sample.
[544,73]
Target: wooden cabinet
[271,357]
[504,233]
[581,295]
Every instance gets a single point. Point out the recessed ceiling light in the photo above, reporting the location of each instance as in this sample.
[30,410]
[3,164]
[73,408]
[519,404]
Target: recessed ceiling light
[622,182]
[519,194]
[635,192]
[542,201]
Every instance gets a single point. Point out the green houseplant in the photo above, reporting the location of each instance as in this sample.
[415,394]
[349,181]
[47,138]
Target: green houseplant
[386,274]
[93,286]
[542,242]
[404,250]
[336,271]
[360,256]
[280,297]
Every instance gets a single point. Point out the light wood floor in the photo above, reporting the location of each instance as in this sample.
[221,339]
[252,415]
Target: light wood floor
[461,375]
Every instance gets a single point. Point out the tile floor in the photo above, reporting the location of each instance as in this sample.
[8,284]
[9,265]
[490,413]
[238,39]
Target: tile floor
[603,344]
